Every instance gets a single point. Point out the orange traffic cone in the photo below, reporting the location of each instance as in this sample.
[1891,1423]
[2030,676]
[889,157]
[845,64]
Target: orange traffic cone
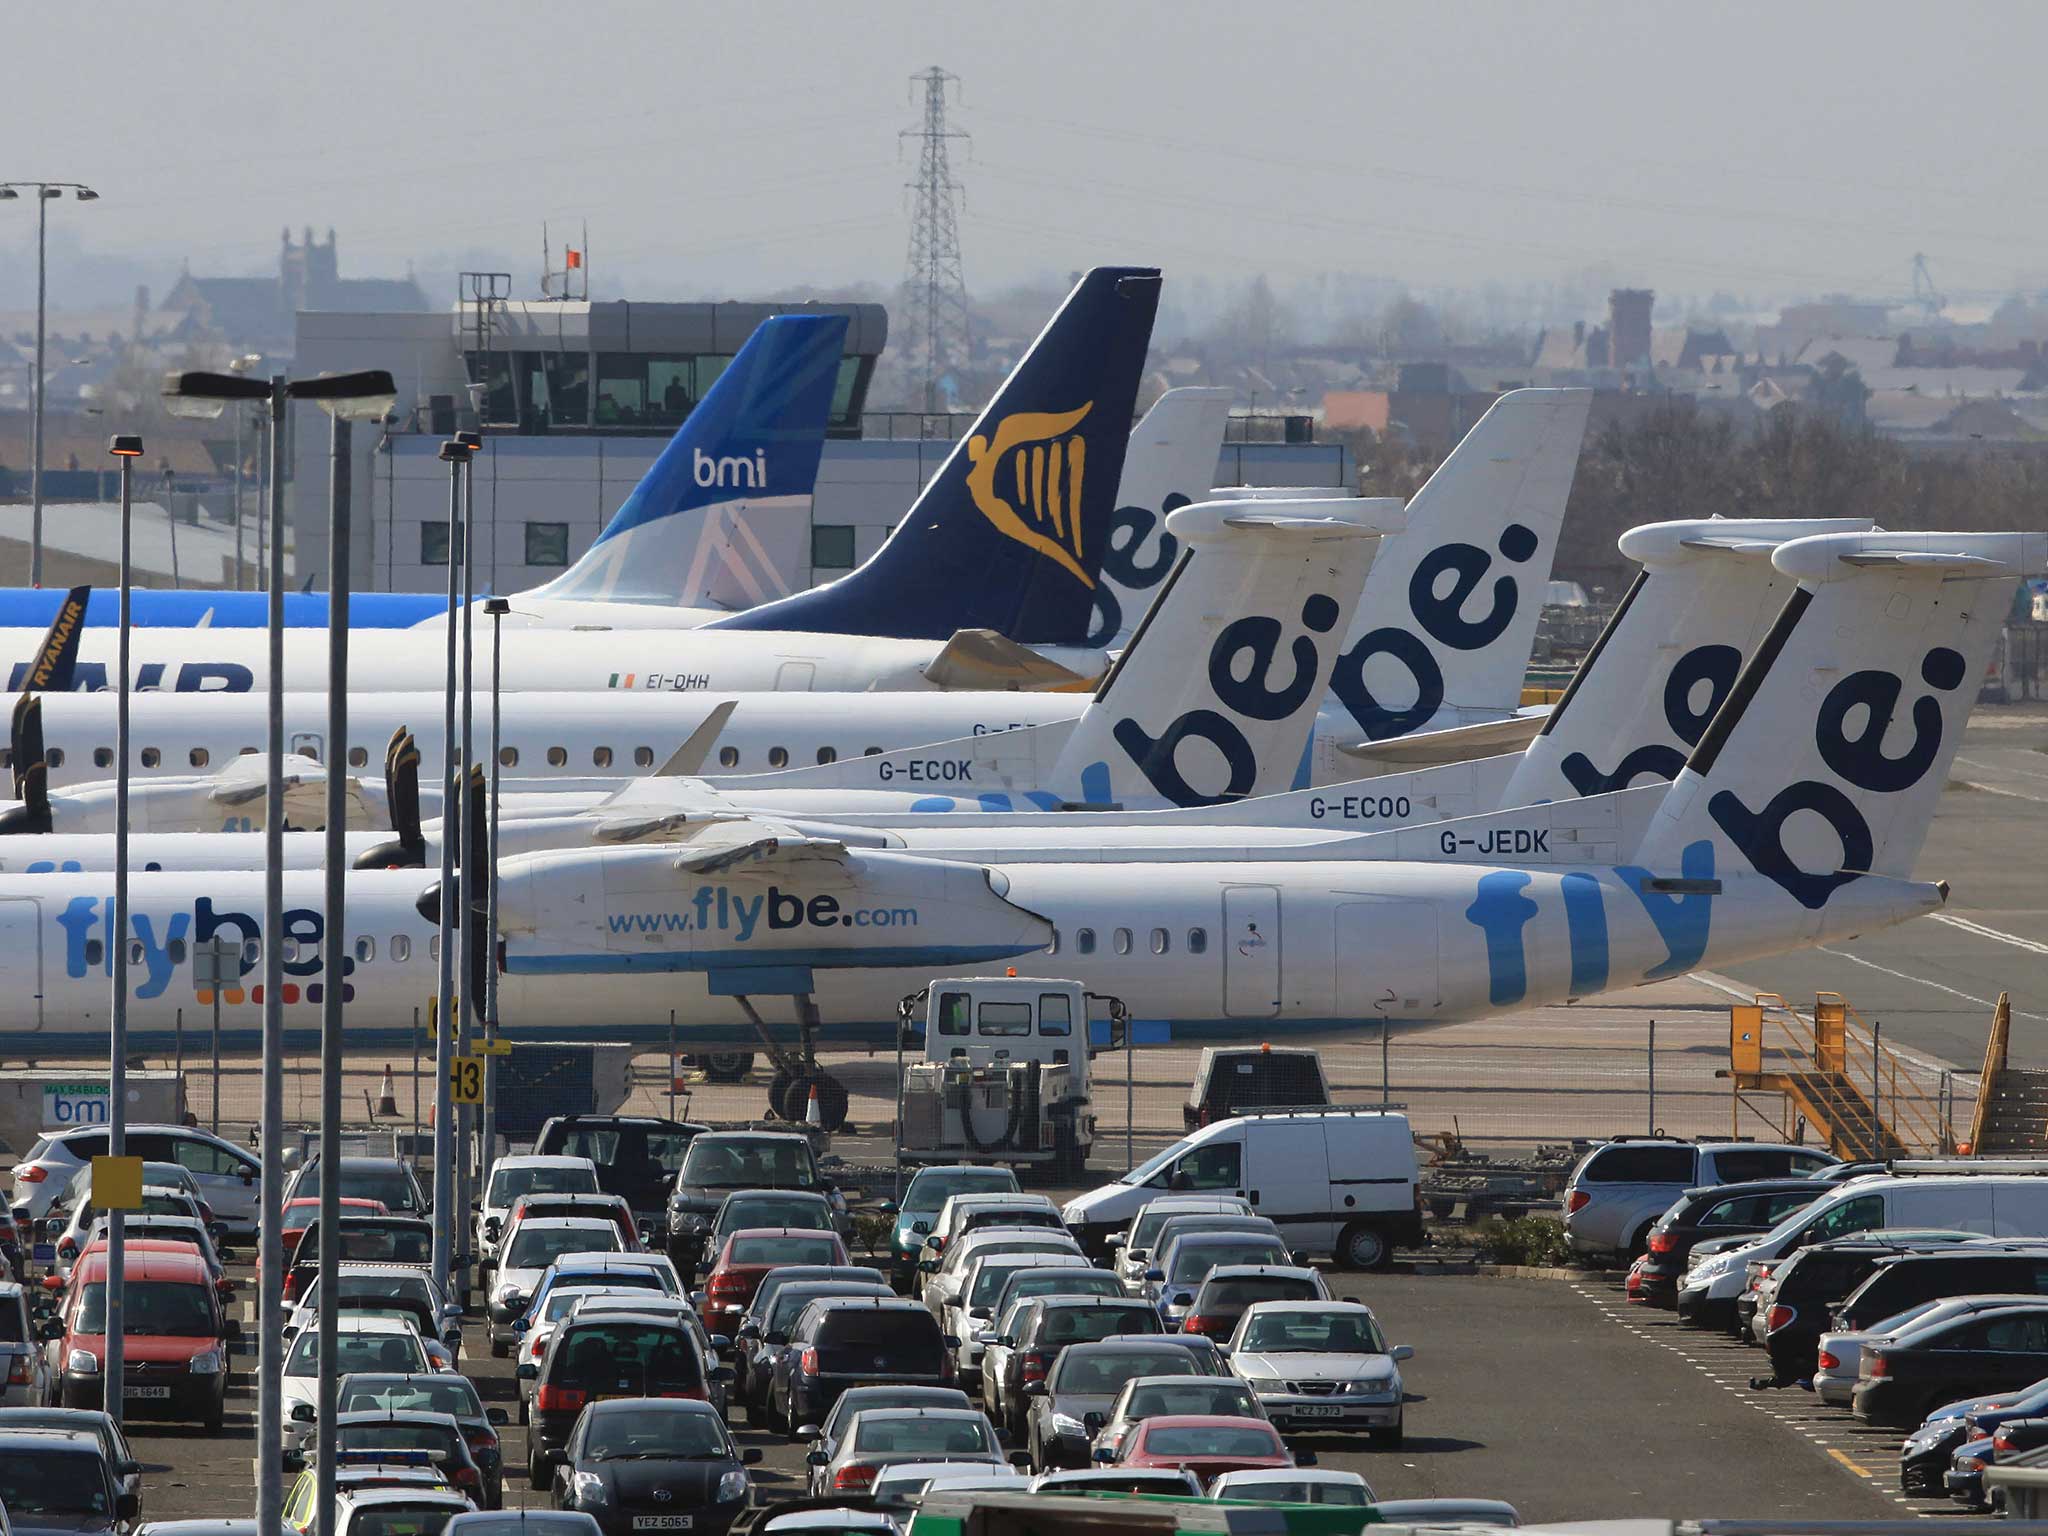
[387,1096]
[813,1116]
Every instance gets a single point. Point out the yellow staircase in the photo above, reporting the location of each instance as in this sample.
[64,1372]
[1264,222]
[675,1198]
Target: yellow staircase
[1833,1073]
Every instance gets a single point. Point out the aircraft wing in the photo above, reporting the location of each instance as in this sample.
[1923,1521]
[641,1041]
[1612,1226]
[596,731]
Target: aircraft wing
[728,844]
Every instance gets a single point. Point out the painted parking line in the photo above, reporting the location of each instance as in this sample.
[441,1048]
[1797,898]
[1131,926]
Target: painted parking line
[1860,1471]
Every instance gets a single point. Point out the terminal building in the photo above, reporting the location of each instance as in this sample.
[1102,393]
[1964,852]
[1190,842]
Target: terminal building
[575,399]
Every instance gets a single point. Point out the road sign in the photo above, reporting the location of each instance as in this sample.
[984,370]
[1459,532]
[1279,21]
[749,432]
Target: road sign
[117,1183]
[496,1046]
[466,1080]
[216,964]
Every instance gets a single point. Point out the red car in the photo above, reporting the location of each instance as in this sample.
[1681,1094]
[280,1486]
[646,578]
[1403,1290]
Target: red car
[302,1213]
[745,1260]
[1207,1445]
[174,1341]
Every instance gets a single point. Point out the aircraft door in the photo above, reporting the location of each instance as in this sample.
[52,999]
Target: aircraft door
[307,744]
[21,940]
[1251,951]
[795,676]
[1386,958]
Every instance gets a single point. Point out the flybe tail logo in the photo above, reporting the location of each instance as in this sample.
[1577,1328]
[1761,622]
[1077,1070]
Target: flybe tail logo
[158,946]
[735,470]
[1027,480]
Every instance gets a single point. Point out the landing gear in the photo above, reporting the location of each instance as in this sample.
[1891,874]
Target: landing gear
[725,1066]
[797,1072]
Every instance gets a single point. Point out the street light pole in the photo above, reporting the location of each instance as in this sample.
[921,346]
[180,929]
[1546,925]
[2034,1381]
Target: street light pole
[127,450]
[471,1005]
[497,608]
[455,455]
[44,195]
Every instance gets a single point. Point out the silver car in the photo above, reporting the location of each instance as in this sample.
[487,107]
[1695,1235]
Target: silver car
[1621,1187]
[1321,1365]
[882,1437]
[25,1377]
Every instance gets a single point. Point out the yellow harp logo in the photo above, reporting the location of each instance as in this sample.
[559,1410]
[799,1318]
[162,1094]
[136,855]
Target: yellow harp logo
[1045,474]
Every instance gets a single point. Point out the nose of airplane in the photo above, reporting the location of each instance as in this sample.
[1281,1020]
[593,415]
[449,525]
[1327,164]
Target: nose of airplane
[429,904]
[393,854]
[17,820]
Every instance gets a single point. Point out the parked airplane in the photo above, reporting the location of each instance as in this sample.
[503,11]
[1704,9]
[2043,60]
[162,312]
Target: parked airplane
[1796,820]
[1008,537]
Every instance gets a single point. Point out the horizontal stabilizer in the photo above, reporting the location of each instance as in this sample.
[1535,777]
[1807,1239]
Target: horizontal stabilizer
[981,660]
[1459,744]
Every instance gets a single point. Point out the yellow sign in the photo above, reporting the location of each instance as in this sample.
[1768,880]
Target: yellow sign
[117,1183]
[497,1046]
[1046,470]
[466,1080]
[1746,1039]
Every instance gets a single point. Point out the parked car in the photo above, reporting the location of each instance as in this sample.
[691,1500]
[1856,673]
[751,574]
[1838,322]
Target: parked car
[1806,1287]
[943,1277]
[360,1344]
[1046,1328]
[903,1485]
[512,1177]
[1841,1351]
[970,1316]
[964,1213]
[353,1473]
[764,1331]
[1298,1485]
[436,1392]
[530,1249]
[716,1163]
[799,1209]
[1718,1211]
[1144,1396]
[1184,1266]
[363,1240]
[387,1180]
[1163,1482]
[1620,1188]
[26,1380]
[380,1511]
[1341,1182]
[1131,1248]
[928,1190]
[1232,1080]
[59,1481]
[1207,1446]
[1902,1280]
[389,1290]
[157,1200]
[747,1258]
[653,1463]
[1232,1289]
[1186,1223]
[1908,1376]
[516,1522]
[637,1156]
[851,1341]
[92,1421]
[882,1437]
[371,1430]
[1086,1380]
[1322,1364]
[173,1338]
[225,1174]
[612,1208]
[826,1435]
[591,1360]
[619,1272]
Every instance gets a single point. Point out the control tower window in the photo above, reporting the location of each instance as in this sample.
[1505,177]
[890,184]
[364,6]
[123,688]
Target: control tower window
[568,388]
[671,392]
[547,543]
[621,389]
[709,367]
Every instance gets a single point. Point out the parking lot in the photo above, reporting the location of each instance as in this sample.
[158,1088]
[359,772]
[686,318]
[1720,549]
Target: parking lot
[1549,1394]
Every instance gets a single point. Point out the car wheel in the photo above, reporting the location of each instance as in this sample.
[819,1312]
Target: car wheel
[536,1469]
[1364,1246]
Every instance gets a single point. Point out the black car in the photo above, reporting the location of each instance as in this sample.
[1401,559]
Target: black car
[1924,1458]
[93,1421]
[1231,1080]
[764,1329]
[386,1179]
[1906,1378]
[637,1156]
[853,1341]
[719,1162]
[593,1360]
[1905,1280]
[364,1240]
[58,1482]
[1811,1283]
[1047,1326]
[1724,1210]
[366,1431]
[653,1463]
[437,1392]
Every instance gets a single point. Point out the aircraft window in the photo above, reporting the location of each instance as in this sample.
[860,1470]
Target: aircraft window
[557,756]
[291,950]
[1122,940]
[55,757]
[199,757]
[135,951]
[251,953]
[434,947]
[95,951]
[366,949]
[401,947]
[600,757]
[1053,947]
[871,752]
[1084,941]
[778,757]
[1162,941]
[728,757]
[103,757]
[828,755]
[643,757]
[176,950]
[1198,940]
[508,757]
[359,757]
[247,752]
[150,757]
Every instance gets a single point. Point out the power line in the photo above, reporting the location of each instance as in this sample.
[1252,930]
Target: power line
[935,292]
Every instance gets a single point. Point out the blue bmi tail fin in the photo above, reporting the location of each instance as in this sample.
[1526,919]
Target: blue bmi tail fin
[743,462]
[1010,534]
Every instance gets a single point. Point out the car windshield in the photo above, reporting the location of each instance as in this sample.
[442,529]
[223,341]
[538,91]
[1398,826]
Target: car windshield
[715,1162]
[1330,1333]
[1197,1394]
[1191,1261]
[638,1433]
[1279,1491]
[626,1358]
[397,1437]
[1899,1320]
[777,1211]
[176,1308]
[979,1216]
[790,1248]
[538,1247]
[359,1290]
[861,1399]
[400,1520]
[1236,1295]
[792,1299]
[926,1436]
[508,1184]
[55,1482]
[1085,1323]
[389,1352]
[928,1191]
[1078,1281]
[1106,1373]
[388,1183]
[636,1278]
[1211,1440]
[440,1393]
[532,1522]
[368,1241]
[561,1300]
[1149,1169]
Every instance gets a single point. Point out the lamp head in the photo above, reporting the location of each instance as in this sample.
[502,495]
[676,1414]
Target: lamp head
[473,441]
[8,194]
[454,453]
[363,396]
[84,194]
[200,396]
[497,607]
[125,445]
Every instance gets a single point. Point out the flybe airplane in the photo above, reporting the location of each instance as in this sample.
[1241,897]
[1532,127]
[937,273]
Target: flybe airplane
[1797,819]
[1008,537]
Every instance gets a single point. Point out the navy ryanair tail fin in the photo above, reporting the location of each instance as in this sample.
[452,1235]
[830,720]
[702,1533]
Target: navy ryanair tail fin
[1010,534]
[55,668]
[745,457]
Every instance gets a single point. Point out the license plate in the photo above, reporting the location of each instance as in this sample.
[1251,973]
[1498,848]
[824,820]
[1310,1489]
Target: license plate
[1316,1411]
[662,1522]
[128,1391]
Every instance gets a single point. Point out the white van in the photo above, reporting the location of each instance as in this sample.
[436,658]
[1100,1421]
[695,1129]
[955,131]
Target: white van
[1341,1182]
[1995,1205]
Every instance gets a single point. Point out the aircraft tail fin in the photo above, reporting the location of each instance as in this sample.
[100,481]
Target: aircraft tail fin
[1827,760]
[1169,462]
[1645,693]
[1010,533]
[735,478]
[1487,520]
[1215,696]
[55,667]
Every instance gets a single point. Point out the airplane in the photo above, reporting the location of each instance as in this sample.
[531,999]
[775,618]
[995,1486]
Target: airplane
[989,580]
[1796,820]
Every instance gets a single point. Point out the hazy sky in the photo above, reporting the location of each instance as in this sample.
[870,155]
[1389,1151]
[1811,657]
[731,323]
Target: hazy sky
[1759,148]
